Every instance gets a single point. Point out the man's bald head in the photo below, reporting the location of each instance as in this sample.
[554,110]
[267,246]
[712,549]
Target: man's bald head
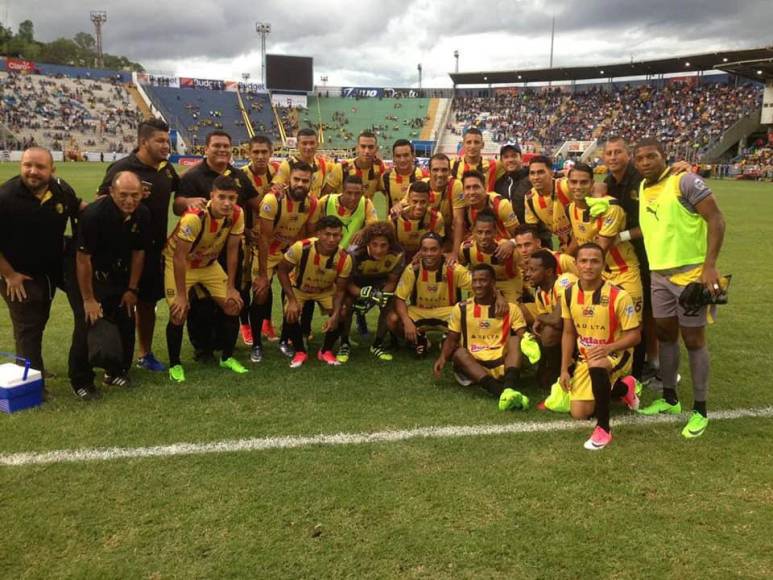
[126,191]
[126,178]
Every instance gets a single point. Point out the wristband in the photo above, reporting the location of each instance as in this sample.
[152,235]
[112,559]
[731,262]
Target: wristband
[134,291]
[625,236]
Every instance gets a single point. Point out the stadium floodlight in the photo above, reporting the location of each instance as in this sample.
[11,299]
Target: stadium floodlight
[263,29]
[687,64]
[456,56]
[418,67]
[98,18]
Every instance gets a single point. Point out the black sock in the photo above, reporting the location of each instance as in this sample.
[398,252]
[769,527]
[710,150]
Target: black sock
[700,407]
[307,315]
[257,316]
[174,342]
[670,396]
[229,331]
[512,378]
[492,385]
[601,393]
[294,334]
[330,339]
[619,389]
[549,367]
[244,314]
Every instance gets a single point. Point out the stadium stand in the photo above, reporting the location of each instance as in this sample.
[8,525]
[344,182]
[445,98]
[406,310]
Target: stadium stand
[72,114]
[342,119]
[550,116]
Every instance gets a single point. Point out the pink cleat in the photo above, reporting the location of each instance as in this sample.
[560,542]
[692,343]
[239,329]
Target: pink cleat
[298,359]
[328,357]
[598,440]
[631,399]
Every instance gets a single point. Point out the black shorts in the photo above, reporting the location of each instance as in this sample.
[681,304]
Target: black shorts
[151,287]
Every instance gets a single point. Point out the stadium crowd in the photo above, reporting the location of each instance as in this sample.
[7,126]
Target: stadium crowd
[593,316]
[680,114]
[63,113]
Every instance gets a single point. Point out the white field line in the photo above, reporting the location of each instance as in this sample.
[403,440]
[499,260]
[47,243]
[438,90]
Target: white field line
[291,442]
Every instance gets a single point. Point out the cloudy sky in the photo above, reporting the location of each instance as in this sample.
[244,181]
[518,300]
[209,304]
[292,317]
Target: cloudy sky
[380,43]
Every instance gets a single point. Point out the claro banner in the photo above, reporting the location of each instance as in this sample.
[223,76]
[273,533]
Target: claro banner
[19,65]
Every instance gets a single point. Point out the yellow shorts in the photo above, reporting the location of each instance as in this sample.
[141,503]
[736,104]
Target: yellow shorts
[325,299]
[430,317]
[582,390]
[271,264]
[213,278]
[630,281]
[494,367]
[512,289]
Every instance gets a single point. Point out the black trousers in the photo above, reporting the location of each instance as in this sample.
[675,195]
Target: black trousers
[109,295]
[29,318]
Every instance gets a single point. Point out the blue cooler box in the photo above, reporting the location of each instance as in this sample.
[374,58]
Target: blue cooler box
[20,388]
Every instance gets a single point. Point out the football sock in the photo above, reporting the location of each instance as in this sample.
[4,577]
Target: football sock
[601,393]
[700,407]
[669,364]
[699,369]
[174,342]
[512,378]
[492,385]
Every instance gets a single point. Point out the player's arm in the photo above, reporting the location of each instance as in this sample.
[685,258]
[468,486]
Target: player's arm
[409,328]
[292,312]
[179,307]
[232,264]
[84,273]
[552,319]
[450,344]
[568,340]
[458,234]
[338,300]
[129,298]
[709,211]
[514,356]
[629,339]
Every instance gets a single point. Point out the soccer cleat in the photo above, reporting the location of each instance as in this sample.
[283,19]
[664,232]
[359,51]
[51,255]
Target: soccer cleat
[631,398]
[381,354]
[695,426]
[268,331]
[177,374]
[558,400]
[598,440]
[298,359]
[287,349]
[462,379]
[362,324]
[233,365]
[328,358]
[87,392]
[344,352]
[661,406]
[246,334]
[422,347]
[117,380]
[149,362]
[530,347]
[512,399]
[256,354]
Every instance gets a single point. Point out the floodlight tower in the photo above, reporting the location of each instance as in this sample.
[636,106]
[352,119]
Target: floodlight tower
[419,69]
[456,57]
[263,29]
[98,18]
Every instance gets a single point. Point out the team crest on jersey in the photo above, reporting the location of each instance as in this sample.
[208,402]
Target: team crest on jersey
[59,208]
[135,228]
[630,310]
[485,324]
[267,207]
[432,288]
[186,231]
[588,311]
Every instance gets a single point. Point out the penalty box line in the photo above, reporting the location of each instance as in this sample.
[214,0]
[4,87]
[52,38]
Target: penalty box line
[336,439]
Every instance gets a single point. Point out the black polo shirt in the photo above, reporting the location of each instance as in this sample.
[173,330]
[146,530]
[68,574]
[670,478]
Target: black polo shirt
[163,180]
[197,182]
[514,187]
[32,229]
[109,237]
[626,192]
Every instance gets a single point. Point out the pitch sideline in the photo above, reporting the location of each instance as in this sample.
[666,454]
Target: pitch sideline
[292,442]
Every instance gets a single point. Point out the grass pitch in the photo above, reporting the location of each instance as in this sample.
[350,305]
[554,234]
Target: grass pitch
[533,505]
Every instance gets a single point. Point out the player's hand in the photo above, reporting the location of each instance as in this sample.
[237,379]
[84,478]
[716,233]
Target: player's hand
[710,278]
[129,301]
[437,369]
[598,351]
[197,203]
[451,260]
[681,167]
[356,239]
[260,285]
[278,189]
[409,329]
[179,309]
[536,328]
[93,310]
[565,381]
[331,323]
[505,250]
[501,307]
[15,286]
[292,311]
[232,295]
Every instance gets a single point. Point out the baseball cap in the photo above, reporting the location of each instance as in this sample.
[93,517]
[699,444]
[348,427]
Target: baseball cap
[509,146]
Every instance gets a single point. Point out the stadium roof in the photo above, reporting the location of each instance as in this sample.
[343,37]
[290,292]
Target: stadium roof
[691,63]
[760,69]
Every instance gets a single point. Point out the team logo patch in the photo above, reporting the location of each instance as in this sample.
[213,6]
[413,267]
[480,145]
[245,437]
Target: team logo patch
[587,311]
[630,310]
[267,207]
[59,208]
[485,324]
[170,292]
[186,231]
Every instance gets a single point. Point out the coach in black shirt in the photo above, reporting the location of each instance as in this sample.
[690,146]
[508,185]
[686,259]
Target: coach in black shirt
[514,184]
[159,180]
[114,233]
[194,191]
[34,210]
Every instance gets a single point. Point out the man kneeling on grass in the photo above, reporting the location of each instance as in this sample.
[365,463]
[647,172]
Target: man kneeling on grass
[316,270]
[490,350]
[601,320]
[190,258]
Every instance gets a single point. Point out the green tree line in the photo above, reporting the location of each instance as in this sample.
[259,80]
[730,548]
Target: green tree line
[80,50]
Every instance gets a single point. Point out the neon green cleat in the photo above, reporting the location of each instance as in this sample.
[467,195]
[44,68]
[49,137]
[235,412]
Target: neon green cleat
[381,354]
[177,374]
[695,426]
[512,399]
[558,400]
[661,406]
[530,347]
[232,364]
[344,352]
